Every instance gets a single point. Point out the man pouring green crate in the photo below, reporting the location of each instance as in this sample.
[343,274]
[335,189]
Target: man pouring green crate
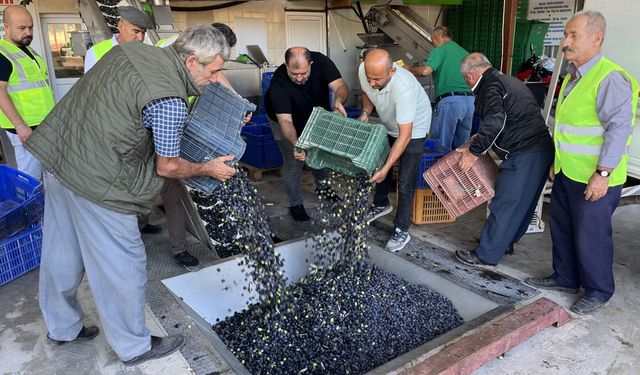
[405,110]
[297,86]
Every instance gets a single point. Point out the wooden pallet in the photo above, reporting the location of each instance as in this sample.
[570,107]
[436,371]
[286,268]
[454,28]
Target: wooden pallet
[255,174]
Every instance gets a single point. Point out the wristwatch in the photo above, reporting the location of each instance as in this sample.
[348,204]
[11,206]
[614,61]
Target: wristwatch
[602,173]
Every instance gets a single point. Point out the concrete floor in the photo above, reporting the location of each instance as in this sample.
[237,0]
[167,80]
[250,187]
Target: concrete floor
[606,343]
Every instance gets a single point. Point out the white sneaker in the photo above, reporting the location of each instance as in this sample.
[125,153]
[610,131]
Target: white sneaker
[376,212]
[398,241]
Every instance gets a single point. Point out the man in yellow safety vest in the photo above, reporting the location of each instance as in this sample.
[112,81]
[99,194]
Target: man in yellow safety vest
[25,93]
[594,118]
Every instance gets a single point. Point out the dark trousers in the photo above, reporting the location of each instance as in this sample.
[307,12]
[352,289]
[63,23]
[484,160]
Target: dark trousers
[520,181]
[409,165]
[292,168]
[582,238]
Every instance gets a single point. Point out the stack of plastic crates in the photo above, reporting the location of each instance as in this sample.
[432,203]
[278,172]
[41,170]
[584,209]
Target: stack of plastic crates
[343,144]
[262,150]
[21,208]
[264,87]
[427,208]
[459,191]
[213,129]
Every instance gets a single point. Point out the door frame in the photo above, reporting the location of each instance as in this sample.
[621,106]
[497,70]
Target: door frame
[45,20]
[293,15]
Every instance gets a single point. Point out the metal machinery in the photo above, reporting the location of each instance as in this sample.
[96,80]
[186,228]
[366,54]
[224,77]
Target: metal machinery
[402,32]
[100,17]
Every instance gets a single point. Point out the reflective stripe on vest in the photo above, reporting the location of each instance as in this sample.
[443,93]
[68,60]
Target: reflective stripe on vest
[579,135]
[587,131]
[28,86]
[582,149]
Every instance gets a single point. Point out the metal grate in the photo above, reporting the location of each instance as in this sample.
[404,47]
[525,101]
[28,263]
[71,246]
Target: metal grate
[498,287]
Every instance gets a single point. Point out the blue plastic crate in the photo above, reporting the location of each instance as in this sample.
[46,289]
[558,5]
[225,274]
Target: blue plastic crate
[20,253]
[21,201]
[258,119]
[262,150]
[213,129]
[266,81]
[433,151]
[353,112]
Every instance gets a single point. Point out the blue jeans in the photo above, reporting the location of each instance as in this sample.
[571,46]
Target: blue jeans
[407,179]
[451,123]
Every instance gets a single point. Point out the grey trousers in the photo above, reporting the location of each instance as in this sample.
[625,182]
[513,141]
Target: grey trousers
[171,196]
[81,237]
[27,163]
[292,168]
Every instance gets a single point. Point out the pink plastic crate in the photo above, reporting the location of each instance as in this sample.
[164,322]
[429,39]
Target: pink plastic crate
[460,192]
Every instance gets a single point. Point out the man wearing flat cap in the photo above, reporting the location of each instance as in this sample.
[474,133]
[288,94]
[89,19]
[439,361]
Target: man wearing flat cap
[133,25]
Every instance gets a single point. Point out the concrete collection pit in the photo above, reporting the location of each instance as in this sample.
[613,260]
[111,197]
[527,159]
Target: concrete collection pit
[217,292]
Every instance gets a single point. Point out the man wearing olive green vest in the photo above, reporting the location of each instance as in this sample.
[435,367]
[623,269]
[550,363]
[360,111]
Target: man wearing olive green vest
[594,119]
[106,160]
[130,18]
[25,94]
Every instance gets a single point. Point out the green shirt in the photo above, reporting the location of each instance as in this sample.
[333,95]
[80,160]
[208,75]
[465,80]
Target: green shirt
[445,61]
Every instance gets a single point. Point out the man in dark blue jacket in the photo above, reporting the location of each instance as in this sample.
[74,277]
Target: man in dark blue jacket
[511,124]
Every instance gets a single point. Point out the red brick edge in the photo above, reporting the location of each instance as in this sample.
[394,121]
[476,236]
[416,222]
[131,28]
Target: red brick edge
[493,339]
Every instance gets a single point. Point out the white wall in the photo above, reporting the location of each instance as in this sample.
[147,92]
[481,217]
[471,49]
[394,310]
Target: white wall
[621,46]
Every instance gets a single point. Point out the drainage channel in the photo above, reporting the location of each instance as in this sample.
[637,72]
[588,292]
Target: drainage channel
[218,291]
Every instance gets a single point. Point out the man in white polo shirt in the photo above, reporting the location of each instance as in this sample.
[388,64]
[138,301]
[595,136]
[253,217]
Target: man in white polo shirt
[405,110]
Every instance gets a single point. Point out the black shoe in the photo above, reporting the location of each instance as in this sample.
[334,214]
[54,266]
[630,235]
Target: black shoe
[186,259]
[160,347]
[471,258]
[511,250]
[86,334]
[151,229]
[298,212]
[549,283]
[587,305]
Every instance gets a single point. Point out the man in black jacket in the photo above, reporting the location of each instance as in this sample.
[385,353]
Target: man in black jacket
[511,124]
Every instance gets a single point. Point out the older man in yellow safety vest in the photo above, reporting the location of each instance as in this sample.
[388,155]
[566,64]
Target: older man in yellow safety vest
[595,114]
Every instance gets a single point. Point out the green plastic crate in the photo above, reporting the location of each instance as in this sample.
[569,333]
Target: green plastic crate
[343,144]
